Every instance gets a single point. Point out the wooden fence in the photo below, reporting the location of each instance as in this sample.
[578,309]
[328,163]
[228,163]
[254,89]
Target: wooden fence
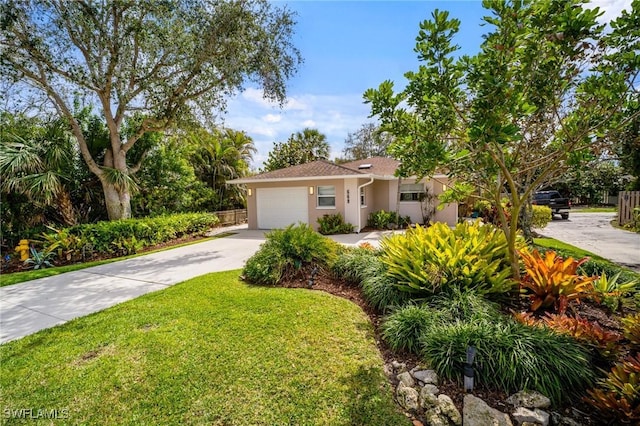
[627,201]
[232,217]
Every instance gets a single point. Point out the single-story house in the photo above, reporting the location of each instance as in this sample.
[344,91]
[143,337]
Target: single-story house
[308,191]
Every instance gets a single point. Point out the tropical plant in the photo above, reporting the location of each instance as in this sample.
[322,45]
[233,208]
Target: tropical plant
[618,396]
[63,244]
[609,290]
[631,330]
[382,219]
[301,147]
[605,342]
[552,281]
[330,224]
[426,261]
[39,259]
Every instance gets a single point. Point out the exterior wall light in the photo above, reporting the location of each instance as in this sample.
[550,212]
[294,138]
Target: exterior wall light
[311,190]
[249,192]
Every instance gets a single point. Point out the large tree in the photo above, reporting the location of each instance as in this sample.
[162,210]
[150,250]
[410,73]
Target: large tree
[368,141]
[542,94]
[301,147]
[161,59]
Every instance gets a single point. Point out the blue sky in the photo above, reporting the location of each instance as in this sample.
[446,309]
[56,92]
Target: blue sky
[348,47]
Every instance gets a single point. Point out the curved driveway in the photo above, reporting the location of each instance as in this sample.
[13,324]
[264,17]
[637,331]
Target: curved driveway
[593,232]
[35,305]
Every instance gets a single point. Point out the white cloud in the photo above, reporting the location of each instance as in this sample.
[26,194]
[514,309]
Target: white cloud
[333,115]
[611,8]
[272,118]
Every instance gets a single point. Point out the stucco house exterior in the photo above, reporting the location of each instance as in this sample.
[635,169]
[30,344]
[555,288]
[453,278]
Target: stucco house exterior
[308,191]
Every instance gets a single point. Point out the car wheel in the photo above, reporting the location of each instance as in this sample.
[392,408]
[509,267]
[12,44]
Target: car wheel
[565,216]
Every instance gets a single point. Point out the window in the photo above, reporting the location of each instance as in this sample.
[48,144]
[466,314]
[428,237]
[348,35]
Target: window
[411,191]
[326,196]
[363,200]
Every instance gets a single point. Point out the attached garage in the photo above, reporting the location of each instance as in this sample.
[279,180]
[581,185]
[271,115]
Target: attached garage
[280,207]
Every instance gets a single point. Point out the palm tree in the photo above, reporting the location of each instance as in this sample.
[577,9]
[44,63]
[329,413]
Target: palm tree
[40,166]
[222,155]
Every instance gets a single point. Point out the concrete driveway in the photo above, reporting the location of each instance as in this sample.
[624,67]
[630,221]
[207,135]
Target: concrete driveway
[593,232]
[35,305]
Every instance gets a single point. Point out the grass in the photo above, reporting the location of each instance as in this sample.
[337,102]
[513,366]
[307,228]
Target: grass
[576,252]
[211,350]
[598,209]
[19,277]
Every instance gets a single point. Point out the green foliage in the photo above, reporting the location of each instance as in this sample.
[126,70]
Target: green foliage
[112,236]
[368,141]
[127,246]
[380,289]
[541,216]
[510,357]
[356,264]
[63,244]
[39,259]
[631,330]
[609,290]
[426,261]
[618,396]
[403,328]
[302,147]
[331,224]
[387,220]
[286,251]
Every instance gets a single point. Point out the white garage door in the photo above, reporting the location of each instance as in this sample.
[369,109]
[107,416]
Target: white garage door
[280,207]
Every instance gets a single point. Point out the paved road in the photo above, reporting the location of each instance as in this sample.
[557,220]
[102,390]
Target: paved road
[35,305]
[593,232]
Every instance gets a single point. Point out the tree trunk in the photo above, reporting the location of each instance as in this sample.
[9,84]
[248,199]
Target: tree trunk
[65,208]
[118,202]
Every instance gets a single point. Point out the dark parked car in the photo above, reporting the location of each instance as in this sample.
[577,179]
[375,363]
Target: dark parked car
[556,202]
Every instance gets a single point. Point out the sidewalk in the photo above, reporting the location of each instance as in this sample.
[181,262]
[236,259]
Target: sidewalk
[35,305]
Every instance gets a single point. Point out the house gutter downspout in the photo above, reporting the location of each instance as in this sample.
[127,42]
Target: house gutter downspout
[358,203]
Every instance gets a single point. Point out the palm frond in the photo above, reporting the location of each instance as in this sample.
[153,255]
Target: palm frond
[121,180]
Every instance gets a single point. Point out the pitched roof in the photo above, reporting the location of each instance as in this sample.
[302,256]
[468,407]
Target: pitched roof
[314,169]
[379,166]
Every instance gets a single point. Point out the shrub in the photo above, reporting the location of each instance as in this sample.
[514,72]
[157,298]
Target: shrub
[426,261]
[609,290]
[39,259]
[331,224]
[553,281]
[541,216]
[381,290]
[510,356]
[618,397]
[105,237]
[355,264]
[63,244]
[386,220]
[286,251]
[403,328]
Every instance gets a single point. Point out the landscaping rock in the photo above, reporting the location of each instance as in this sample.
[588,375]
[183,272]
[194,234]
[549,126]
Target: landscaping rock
[388,370]
[431,389]
[448,408]
[558,419]
[426,377]
[407,397]
[476,412]
[537,416]
[427,399]
[434,417]
[399,366]
[406,378]
[529,399]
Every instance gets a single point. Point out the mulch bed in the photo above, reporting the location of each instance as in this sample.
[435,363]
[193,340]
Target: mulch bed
[325,281]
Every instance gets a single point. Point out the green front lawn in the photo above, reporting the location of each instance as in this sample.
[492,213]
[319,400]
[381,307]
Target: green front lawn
[211,350]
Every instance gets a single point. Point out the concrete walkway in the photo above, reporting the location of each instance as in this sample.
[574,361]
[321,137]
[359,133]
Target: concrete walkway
[593,232]
[35,305]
